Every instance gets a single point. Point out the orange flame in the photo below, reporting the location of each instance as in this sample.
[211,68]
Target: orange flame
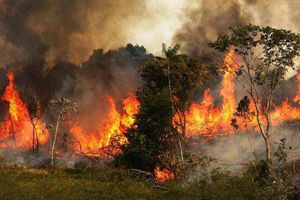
[206,120]
[203,119]
[17,123]
[163,175]
[115,126]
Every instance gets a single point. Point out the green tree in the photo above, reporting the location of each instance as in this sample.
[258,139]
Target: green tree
[165,97]
[152,139]
[262,57]
[180,75]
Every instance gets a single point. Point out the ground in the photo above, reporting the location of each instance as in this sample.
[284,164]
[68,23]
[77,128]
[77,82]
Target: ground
[23,183]
[111,183]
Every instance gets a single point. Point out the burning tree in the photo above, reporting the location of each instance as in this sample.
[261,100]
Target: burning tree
[152,139]
[168,89]
[34,111]
[259,59]
[62,107]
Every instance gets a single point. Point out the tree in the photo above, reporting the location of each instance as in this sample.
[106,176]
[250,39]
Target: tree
[165,97]
[152,139]
[62,107]
[184,75]
[180,75]
[34,115]
[262,56]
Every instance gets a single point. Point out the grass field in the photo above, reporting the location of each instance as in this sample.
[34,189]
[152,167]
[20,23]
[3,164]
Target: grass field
[111,183]
[17,183]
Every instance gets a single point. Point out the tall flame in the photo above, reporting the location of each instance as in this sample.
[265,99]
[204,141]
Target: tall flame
[115,126]
[206,120]
[17,123]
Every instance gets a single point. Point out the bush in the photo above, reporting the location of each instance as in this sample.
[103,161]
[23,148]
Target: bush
[153,138]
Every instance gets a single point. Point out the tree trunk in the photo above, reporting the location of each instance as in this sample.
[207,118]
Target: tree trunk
[37,144]
[263,133]
[33,138]
[54,140]
[268,149]
[173,110]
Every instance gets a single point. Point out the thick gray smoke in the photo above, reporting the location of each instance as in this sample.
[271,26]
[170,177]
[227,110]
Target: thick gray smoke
[205,21]
[64,45]
[67,30]
[235,152]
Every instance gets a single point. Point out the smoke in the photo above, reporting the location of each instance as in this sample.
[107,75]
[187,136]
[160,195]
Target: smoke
[205,20]
[237,151]
[64,30]
[71,30]
[72,48]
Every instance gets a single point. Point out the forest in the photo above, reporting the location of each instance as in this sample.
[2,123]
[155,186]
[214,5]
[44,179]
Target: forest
[211,111]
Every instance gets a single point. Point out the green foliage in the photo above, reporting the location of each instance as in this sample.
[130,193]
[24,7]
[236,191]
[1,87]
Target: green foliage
[186,74]
[280,153]
[168,88]
[269,51]
[220,184]
[110,183]
[170,52]
[152,138]
[18,183]
[259,172]
[262,56]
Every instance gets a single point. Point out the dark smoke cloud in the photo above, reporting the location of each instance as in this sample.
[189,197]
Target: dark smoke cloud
[204,22]
[68,30]
[18,42]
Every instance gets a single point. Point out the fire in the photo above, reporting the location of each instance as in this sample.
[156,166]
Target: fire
[131,107]
[163,175]
[206,120]
[114,128]
[17,126]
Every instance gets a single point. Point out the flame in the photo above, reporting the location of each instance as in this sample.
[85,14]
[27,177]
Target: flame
[115,126]
[206,120]
[163,175]
[17,123]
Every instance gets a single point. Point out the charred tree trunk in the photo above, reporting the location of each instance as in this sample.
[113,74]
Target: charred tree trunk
[33,139]
[37,147]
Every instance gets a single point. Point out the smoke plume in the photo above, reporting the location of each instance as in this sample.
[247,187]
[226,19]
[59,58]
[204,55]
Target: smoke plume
[64,30]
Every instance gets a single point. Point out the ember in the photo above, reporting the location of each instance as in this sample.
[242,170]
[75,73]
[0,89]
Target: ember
[163,175]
